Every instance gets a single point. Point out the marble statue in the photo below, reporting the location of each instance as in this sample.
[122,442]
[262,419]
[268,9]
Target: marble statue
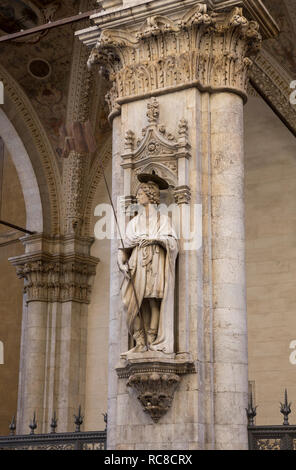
[147,261]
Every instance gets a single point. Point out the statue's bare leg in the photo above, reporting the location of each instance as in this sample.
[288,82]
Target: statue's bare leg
[140,327]
[143,322]
[154,321]
[137,324]
[146,314]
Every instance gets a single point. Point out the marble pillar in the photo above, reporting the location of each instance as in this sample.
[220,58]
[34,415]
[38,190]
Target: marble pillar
[191,60]
[57,273]
[230,355]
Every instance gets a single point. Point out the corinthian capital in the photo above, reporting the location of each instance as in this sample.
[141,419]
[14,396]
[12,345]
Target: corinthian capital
[57,269]
[188,47]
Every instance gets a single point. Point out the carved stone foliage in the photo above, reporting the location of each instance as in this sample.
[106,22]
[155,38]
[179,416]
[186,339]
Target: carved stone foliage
[155,392]
[159,151]
[203,48]
[81,90]
[182,194]
[57,279]
[74,171]
[155,380]
[271,83]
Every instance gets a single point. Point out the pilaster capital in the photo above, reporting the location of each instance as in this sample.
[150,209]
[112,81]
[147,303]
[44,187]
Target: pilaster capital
[165,48]
[57,269]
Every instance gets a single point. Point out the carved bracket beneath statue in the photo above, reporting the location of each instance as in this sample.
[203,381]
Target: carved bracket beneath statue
[155,380]
[155,392]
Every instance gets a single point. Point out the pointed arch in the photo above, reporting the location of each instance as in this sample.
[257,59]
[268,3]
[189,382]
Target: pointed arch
[25,172]
[272,83]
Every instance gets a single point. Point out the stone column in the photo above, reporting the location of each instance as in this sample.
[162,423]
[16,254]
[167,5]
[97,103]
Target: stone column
[57,273]
[228,272]
[190,64]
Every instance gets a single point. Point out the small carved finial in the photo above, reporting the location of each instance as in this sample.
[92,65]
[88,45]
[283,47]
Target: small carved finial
[153,111]
[183,127]
[251,411]
[54,423]
[129,141]
[33,424]
[12,426]
[286,409]
[105,420]
[78,420]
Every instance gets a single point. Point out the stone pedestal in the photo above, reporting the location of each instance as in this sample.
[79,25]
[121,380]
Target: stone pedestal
[190,62]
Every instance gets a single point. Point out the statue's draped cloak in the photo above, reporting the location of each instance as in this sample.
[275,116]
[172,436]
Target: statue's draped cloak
[161,259]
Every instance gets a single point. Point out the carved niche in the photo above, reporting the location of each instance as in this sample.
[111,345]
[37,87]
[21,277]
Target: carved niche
[160,152]
[152,377]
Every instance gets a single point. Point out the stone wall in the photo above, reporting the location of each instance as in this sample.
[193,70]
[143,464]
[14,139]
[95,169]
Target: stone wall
[270,191]
[12,210]
[270,195]
[98,326]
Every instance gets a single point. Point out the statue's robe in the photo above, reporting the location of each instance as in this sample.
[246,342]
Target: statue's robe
[152,269]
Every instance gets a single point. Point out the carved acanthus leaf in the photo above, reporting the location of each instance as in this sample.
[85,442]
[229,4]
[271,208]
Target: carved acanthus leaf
[198,15]
[203,48]
[236,18]
[157,25]
[118,38]
[155,392]
[58,279]
[155,382]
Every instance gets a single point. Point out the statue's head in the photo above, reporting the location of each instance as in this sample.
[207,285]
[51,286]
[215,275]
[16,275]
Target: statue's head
[151,190]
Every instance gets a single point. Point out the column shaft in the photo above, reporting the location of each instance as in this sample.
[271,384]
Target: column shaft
[58,274]
[31,396]
[194,63]
[228,271]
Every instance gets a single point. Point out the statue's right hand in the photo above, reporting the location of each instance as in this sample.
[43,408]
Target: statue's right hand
[125,271]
